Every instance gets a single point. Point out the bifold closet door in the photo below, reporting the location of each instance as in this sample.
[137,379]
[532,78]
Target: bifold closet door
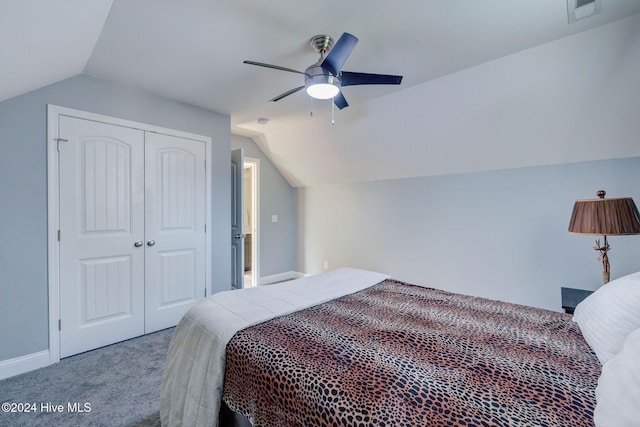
[101,190]
[174,228]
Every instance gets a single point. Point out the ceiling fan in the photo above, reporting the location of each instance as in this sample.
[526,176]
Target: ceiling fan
[324,79]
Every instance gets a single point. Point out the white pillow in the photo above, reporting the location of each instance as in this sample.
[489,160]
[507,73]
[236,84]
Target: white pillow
[618,391]
[609,314]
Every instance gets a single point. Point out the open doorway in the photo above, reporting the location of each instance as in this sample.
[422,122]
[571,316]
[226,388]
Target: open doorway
[251,222]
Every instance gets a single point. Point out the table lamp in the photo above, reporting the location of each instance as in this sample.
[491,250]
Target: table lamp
[605,217]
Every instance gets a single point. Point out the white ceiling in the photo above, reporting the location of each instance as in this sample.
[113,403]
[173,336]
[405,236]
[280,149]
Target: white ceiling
[467,64]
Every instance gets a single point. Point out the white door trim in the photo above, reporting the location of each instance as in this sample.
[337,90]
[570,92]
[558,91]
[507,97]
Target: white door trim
[255,214]
[53,217]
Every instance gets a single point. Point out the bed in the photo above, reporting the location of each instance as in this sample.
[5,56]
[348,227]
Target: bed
[355,347]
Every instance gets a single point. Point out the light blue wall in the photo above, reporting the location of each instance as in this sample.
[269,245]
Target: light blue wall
[501,235]
[23,192]
[278,241]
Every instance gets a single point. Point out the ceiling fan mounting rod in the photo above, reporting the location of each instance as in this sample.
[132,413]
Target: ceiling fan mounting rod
[321,44]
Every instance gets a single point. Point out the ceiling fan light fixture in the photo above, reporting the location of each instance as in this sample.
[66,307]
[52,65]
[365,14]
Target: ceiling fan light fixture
[322,86]
[322,90]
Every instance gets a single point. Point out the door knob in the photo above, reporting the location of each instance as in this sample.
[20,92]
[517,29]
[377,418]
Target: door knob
[151,242]
[238,236]
[138,243]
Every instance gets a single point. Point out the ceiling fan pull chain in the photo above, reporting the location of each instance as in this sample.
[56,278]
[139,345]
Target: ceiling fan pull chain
[333,113]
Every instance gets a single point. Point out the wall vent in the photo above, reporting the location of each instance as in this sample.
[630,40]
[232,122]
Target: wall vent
[581,9]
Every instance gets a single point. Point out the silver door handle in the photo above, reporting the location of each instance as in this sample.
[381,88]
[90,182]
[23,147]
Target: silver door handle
[151,242]
[138,243]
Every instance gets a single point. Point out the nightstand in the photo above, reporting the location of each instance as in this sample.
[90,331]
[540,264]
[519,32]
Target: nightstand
[572,297]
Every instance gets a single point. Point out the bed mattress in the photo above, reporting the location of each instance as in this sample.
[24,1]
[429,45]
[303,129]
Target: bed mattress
[397,354]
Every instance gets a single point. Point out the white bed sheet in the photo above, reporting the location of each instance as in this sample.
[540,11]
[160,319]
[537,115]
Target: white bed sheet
[194,371]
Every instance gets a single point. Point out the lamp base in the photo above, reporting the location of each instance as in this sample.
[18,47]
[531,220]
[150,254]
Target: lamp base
[605,277]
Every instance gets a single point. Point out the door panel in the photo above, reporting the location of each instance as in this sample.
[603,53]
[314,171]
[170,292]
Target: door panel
[237,219]
[101,216]
[174,228]
[106,288]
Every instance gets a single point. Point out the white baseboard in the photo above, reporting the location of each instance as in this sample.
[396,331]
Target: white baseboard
[281,277]
[22,364]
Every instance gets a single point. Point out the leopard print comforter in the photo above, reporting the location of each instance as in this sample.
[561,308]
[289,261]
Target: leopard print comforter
[396,354]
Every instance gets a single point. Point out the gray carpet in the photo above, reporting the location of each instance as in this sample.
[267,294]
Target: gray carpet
[120,383]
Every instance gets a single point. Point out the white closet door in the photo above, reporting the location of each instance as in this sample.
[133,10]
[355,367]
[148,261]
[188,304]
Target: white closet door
[101,194]
[174,228]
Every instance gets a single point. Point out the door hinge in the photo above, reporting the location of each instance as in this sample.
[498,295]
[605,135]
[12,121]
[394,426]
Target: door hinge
[58,141]
[58,235]
[59,324]
[205,292]
[205,228]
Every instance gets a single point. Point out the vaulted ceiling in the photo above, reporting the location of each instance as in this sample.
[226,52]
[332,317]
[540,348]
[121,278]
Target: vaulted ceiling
[488,84]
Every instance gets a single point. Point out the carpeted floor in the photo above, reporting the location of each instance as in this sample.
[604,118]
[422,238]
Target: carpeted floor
[117,385]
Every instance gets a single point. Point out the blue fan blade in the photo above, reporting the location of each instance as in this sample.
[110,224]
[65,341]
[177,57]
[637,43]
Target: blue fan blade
[340,101]
[339,53]
[275,67]
[287,93]
[348,78]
